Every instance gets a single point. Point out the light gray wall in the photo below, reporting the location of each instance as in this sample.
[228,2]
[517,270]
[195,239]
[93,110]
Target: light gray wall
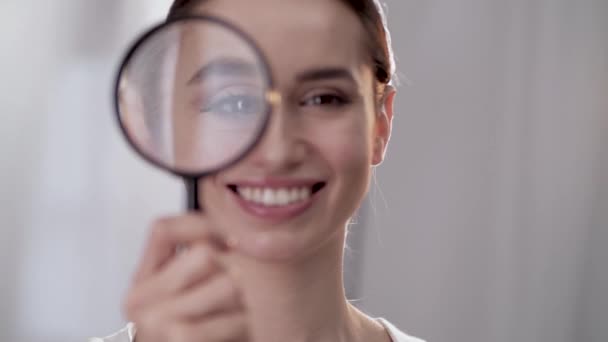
[490,212]
[75,200]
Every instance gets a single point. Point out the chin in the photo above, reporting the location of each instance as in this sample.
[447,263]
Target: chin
[291,245]
[286,220]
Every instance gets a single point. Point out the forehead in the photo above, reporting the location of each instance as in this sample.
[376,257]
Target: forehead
[297,35]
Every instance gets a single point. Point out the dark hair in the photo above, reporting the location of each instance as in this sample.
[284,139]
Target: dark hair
[372,16]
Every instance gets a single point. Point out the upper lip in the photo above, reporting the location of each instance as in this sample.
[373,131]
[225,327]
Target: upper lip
[276,182]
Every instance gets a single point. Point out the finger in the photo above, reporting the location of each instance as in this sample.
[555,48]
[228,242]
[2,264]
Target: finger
[219,295]
[189,267]
[224,328]
[169,233]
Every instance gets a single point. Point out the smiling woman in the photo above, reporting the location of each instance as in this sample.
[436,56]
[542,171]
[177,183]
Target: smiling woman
[264,261]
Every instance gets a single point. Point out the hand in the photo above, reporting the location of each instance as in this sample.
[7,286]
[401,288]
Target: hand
[187,295]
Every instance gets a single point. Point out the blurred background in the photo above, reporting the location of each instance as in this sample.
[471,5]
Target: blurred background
[487,222]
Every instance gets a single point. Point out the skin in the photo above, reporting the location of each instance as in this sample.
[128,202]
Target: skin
[244,278]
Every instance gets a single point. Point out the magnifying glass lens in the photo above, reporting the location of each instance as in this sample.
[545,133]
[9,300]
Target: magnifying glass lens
[192,96]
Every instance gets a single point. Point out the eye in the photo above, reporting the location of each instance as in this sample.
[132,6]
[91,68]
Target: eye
[325,100]
[235,105]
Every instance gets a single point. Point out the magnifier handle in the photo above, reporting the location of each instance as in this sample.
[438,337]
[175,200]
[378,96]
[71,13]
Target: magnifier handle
[192,195]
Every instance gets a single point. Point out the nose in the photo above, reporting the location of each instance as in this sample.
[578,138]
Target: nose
[282,147]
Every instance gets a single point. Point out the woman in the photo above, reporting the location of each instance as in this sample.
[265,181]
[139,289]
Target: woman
[271,270]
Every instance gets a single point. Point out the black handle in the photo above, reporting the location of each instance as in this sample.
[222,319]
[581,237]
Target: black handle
[192,194]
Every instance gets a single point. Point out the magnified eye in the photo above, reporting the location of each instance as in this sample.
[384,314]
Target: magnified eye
[235,105]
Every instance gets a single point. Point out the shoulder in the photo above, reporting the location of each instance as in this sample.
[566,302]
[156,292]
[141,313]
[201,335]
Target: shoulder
[396,334]
[124,335]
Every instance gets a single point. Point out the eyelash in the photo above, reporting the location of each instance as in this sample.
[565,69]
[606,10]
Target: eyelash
[326,100]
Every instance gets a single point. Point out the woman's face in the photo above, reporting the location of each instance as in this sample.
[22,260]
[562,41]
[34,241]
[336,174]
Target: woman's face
[299,186]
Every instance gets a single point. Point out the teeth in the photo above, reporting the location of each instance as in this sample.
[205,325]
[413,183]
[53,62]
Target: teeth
[304,193]
[294,193]
[247,194]
[282,197]
[256,195]
[275,197]
[268,198]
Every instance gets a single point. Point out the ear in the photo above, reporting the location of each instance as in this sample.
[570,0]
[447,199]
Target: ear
[383,125]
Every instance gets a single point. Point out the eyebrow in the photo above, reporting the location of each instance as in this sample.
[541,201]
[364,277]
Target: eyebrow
[237,67]
[224,67]
[325,74]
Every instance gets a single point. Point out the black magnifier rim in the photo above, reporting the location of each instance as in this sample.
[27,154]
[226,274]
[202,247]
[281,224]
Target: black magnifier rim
[141,40]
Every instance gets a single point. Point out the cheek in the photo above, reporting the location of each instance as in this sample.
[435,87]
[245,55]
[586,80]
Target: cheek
[346,143]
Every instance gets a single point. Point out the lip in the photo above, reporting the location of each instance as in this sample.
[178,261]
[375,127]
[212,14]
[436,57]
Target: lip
[277,214]
[275,183]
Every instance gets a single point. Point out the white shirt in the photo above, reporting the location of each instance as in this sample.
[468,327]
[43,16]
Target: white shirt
[127,334]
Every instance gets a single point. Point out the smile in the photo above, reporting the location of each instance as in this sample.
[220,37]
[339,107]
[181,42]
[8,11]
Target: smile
[276,197]
[276,201]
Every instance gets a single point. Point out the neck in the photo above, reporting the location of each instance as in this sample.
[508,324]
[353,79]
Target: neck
[299,301]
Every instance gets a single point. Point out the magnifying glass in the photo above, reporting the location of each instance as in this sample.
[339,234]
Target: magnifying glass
[193,96]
